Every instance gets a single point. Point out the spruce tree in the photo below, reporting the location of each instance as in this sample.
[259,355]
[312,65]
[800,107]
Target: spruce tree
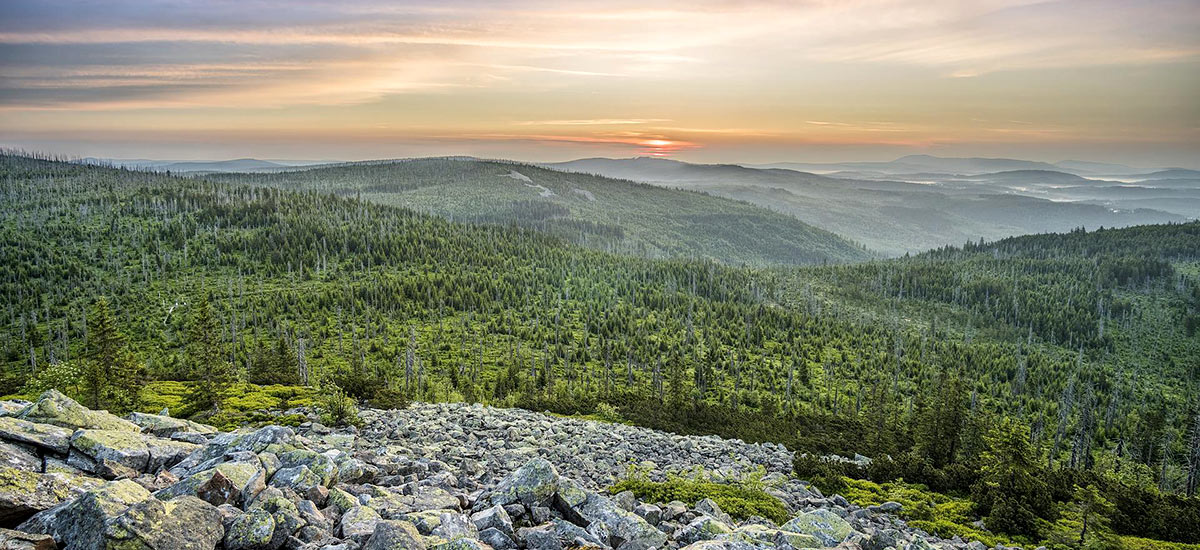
[1011,494]
[206,359]
[110,374]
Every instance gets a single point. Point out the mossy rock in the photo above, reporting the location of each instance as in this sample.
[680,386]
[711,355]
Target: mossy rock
[46,436]
[182,523]
[52,407]
[253,530]
[823,524]
[123,447]
[82,523]
[23,493]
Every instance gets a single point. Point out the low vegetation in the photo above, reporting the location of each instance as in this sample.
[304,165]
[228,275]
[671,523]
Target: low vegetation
[741,499]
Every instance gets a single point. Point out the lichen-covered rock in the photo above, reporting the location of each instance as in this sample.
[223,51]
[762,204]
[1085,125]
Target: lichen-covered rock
[182,523]
[12,408]
[287,516]
[46,436]
[18,540]
[704,527]
[165,453]
[22,493]
[710,507]
[230,482]
[320,465]
[462,544]
[533,484]
[165,426]
[297,478]
[493,518]
[55,408]
[359,522]
[341,499]
[397,535]
[82,523]
[821,523]
[454,526]
[19,457]
[496,539]
[720,545]
[254,530]
[122,447]
[626,530]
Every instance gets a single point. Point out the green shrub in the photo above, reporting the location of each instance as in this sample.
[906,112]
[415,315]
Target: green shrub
[937,513]
[338,408]
[64,377]
[739,500]
[607,413]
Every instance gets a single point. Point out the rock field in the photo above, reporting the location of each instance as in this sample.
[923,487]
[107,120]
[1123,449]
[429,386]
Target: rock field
[430,477]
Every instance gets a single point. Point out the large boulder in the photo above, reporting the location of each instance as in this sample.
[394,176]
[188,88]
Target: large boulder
[165,453]
[164,426]
[493,518]
[23,493]
[119,446]
[254,530]
[533,484]
[358,523]
[626,530]
[46,436]
[821,523]
[182,523]
[230,443]
[55,408]
[81,525]
[19,457]
[227,483]
[704,527]
[398,535]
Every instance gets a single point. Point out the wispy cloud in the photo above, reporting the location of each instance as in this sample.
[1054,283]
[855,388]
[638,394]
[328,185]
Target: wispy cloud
[590,122]
[687,72]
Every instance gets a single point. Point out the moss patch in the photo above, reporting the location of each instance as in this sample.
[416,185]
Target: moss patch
[942,515]
[739,500]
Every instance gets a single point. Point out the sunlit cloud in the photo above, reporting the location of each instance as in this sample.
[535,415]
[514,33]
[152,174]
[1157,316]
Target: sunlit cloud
[590,122]
[683,76]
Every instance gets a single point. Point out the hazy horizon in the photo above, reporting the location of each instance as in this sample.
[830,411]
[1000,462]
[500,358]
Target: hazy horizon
[712,82]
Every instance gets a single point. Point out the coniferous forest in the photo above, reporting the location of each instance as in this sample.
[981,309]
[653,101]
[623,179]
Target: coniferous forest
[1036,381]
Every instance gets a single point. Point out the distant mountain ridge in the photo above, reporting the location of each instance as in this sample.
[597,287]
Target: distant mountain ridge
[181,166]
[616,215]
[930,208]
[911,164]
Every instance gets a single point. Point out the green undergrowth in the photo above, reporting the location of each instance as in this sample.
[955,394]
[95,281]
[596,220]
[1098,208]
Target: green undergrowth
[741,499]
[1138,543]
[936,513]
[244,404]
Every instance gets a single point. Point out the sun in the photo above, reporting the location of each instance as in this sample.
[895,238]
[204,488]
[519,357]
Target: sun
[657,142]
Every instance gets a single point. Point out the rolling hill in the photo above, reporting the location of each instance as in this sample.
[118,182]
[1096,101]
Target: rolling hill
[1088,338]
[895,216]
[599,212]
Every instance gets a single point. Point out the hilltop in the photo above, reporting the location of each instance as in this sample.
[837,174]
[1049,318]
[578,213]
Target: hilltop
[598,212]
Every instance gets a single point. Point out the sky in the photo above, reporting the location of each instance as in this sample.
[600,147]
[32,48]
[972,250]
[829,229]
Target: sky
[698,80]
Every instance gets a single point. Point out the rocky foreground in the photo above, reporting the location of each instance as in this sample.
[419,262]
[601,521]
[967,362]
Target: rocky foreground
[431,477]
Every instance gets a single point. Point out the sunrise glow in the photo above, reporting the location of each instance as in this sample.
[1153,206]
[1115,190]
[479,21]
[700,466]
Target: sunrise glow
[550,81]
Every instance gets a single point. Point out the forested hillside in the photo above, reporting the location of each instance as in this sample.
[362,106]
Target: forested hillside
[601,213]
[112,277]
